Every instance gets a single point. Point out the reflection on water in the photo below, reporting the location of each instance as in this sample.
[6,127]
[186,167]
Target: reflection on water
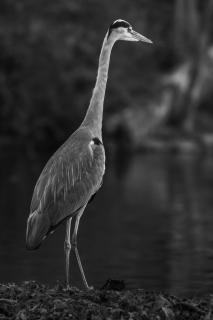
[150,224]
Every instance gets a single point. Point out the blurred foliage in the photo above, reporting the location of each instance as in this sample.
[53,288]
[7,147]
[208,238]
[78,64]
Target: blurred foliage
[49,55]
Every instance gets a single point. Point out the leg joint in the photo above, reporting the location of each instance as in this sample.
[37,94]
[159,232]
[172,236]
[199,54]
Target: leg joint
[67,245]
[74,242]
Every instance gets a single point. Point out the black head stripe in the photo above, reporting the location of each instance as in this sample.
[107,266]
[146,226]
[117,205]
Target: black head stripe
[117,24]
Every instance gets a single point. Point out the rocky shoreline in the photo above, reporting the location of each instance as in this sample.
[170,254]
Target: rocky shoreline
[32,300]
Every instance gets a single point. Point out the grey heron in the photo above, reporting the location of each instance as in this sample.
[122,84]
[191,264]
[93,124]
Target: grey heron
[74,173]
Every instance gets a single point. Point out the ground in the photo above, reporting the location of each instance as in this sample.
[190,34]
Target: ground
[32,300]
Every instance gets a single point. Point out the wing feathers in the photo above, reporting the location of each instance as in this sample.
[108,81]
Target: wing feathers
[67,182]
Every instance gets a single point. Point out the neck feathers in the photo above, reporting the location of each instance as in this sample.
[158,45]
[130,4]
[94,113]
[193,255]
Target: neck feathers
[94,115]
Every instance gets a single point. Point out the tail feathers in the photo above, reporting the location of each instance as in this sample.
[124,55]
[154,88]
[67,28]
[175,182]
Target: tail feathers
[37,229]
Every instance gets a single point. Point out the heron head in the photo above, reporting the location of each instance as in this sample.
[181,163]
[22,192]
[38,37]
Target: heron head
[122,30]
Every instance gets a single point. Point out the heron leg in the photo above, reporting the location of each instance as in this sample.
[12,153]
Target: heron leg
[74,246]
[67,248]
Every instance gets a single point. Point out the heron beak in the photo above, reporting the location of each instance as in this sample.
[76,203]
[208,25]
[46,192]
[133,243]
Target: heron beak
[139,37]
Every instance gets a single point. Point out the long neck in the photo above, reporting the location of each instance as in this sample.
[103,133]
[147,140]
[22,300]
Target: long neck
[94,115]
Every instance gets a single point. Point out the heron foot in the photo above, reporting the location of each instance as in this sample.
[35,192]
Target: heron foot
[89,288]
[68,287]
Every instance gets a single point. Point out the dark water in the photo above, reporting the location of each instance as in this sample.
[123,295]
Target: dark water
[151,224]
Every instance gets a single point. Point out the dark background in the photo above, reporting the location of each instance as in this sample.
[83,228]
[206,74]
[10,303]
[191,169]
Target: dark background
[48,63]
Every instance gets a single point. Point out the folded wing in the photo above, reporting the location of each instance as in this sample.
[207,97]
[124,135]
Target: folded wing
[68,181]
